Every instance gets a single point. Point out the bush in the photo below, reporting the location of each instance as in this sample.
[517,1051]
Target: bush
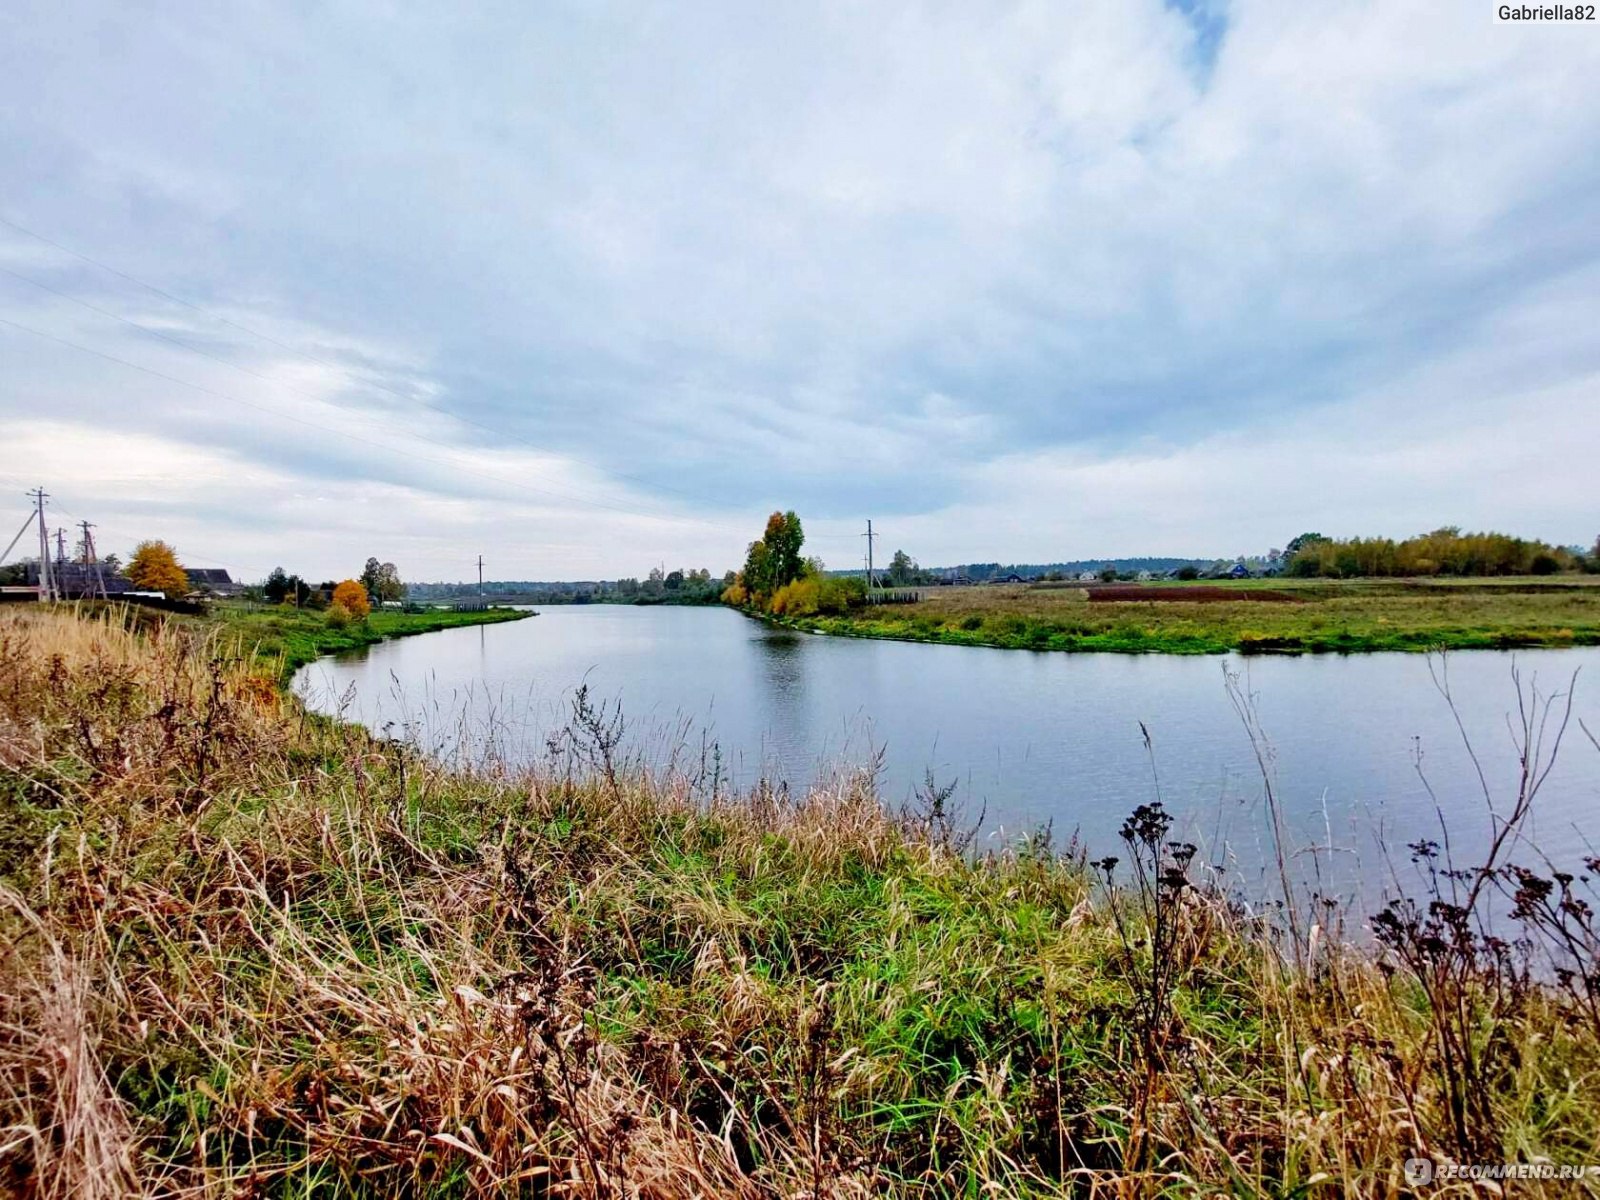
[339,617]
[797,599]
[1189,572]
[1544,564]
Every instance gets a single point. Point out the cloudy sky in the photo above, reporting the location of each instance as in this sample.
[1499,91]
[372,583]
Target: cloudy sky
[589,286]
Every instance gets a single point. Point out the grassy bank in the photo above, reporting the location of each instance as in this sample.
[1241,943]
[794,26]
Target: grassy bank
[250,954]
[1317,616]
[284,639]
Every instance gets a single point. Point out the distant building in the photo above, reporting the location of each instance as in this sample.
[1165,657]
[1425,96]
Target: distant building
[1238,571]
[1088,576]
[75,581]
[211,581]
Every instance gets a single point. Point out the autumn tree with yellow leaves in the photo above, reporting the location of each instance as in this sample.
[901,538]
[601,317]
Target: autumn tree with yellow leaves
[352,597]
[154,568]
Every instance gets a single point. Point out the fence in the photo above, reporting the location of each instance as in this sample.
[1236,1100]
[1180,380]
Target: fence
[896,595]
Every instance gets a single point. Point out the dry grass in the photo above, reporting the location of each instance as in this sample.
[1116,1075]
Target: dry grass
[254,953]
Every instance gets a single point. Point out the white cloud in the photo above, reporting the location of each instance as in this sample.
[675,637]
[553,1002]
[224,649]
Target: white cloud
[626,279]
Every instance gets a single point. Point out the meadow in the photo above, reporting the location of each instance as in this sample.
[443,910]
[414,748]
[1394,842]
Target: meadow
[1295,616]
[247,951]
[288,638]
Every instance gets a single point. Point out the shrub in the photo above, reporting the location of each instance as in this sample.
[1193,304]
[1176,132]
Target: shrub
[1544,564]
[1189,572]
[796,599]
[339,617]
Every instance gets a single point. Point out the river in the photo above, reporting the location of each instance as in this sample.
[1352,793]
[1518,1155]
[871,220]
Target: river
[1362,749]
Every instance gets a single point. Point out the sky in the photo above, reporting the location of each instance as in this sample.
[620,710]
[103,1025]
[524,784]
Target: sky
[590,287]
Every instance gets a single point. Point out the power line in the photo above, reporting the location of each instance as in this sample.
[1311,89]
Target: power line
[182,345]
[306,354]
[386,447]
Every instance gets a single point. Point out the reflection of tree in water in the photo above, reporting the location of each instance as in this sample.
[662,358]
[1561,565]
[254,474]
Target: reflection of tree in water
[785,719]
[782,655]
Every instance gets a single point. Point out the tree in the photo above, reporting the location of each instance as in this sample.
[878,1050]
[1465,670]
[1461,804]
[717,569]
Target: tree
[1188,571]
[382,580]
[903,569]
[773,560]
[757,574]
[674,580]
[352,597]
[784,537]
[1299,543]
[154,568]
[276,587]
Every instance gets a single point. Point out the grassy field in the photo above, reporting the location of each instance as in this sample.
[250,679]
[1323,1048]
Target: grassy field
[1320,615]
[246,953]
[285,639]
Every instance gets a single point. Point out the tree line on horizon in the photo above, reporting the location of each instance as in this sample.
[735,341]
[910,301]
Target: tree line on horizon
[1444,551]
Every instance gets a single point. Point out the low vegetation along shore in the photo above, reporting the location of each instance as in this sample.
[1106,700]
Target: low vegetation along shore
[286,638]
[1252,616]
[249,951]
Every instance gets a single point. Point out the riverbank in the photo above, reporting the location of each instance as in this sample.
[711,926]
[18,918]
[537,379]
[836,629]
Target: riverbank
[245,951]
[1248,616]
[284,639]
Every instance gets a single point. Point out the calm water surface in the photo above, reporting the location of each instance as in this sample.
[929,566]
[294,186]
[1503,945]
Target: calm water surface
[1029,738]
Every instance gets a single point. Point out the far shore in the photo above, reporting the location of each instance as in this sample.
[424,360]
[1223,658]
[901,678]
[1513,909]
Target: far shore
[1253,616]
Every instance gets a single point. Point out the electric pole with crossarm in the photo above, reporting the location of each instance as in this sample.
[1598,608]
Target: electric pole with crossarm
[47,589]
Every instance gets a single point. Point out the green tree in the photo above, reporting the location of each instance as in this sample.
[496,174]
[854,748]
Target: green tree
[784,538]
[276,587]
[772,561]
[382,580]
[903,570]
[758,568]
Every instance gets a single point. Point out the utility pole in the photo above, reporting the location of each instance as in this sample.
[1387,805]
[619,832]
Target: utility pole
[869,535]
[480,577]
[91,560]
[46,582]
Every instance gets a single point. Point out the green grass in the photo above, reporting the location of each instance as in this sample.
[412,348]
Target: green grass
[287,639]
[1337,616]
